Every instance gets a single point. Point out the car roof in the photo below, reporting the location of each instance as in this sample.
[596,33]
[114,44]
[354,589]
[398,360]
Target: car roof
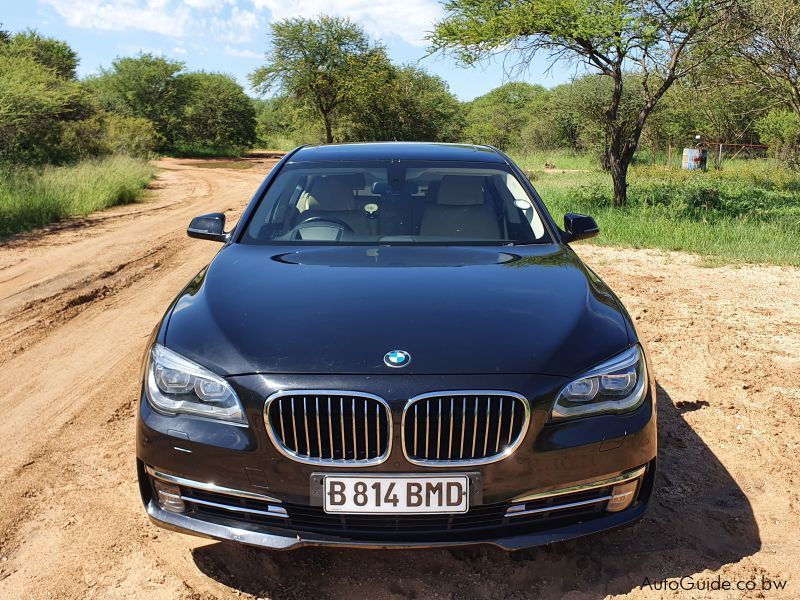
[398,151]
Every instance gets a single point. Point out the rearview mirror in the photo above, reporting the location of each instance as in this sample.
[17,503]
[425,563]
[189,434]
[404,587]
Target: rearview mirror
[579,227]
[208,227]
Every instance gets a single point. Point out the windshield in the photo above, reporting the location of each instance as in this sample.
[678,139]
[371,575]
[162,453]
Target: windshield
[393,202]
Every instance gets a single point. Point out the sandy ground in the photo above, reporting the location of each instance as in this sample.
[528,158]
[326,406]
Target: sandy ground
[78,300]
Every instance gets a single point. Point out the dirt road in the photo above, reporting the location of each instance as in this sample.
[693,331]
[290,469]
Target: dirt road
[78,301]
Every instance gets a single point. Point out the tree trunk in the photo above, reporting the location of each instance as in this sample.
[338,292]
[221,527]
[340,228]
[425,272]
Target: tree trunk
[618,166]
[328,129]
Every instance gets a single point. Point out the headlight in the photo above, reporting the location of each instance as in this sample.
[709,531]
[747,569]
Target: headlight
[177,385]
[617,385]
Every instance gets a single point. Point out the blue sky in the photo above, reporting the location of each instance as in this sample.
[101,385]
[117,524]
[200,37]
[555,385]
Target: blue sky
[230,35]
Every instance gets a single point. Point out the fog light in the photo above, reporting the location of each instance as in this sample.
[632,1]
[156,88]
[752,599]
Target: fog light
[169,496]
[621,496]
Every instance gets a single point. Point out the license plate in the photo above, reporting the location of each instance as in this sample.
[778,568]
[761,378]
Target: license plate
[355,494]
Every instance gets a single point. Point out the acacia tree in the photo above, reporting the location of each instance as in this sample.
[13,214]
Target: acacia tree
[145,86]
[48,52]
[498,117]
[217,114]
[772,49]
[661,41]
[318,62]
[407,104]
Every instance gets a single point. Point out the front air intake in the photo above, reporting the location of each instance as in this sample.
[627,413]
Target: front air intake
[329,427]
[463,427]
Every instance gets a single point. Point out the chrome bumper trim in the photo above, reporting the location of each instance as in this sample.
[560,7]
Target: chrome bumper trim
[272,511]
[207,487]
[519,510]
[627,476]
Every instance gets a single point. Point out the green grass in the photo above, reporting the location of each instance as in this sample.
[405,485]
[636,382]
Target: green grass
[187,151]
[283,143]
[747,212]
[32,198]
[560,159]
[221,164]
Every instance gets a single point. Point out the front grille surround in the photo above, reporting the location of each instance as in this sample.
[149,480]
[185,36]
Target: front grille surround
[522,410]
[378,427]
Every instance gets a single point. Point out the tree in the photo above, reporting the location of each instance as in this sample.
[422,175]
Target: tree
[48,52]
[780,129]
[772,49]
[218,114]
[498,118]
[662,41]
[318,62]
[36,108]
[282,122]
[144,86]
[408,104]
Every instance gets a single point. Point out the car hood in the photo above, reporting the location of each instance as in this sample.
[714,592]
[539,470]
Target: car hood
[475,310]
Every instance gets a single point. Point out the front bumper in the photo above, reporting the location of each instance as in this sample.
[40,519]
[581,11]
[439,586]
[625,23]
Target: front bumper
[557,464]
[545,518]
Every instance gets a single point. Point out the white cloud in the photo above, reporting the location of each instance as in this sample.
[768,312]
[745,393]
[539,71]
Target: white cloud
[157,16]
[241,53]
[237,21]
[410,20]
[236,27]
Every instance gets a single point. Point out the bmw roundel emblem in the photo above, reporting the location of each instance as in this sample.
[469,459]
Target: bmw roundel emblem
[397,359]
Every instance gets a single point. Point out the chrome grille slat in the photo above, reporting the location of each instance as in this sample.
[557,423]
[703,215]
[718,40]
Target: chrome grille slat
[439,431]
[499,427]
[366,430]
[355,441]
[341,421]
[450,441]
[482,428]
[463,422]
[488,421]
[319,435]
[305,422]
[511,422]
[330,427]
[349,429]
[294,427]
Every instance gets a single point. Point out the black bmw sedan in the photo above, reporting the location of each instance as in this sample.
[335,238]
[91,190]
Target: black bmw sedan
[396,347]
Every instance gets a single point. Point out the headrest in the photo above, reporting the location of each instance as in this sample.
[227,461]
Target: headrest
[333,193]
[383,188]
[461,190]
[355,181]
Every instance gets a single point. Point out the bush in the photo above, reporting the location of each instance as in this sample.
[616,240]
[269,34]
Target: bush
[217,115]
[36,106]
[133,136]
[780,130]
[31,198]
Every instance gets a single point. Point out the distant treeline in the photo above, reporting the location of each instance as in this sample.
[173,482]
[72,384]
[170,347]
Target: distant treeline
[332,83]
[522,118]
[325,80]
[138,106]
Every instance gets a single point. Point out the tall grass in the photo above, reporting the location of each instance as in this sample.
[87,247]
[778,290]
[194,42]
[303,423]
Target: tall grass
[31,198]
[559,159]
[747,212]
[190,151]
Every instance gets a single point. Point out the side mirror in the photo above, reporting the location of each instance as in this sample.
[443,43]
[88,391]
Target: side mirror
[208,227]
[579,227]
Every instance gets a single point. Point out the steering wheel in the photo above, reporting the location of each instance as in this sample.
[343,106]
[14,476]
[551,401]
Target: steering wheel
[316,219]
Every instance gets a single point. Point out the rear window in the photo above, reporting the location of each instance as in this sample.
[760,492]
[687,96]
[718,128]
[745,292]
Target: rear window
[403,203]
